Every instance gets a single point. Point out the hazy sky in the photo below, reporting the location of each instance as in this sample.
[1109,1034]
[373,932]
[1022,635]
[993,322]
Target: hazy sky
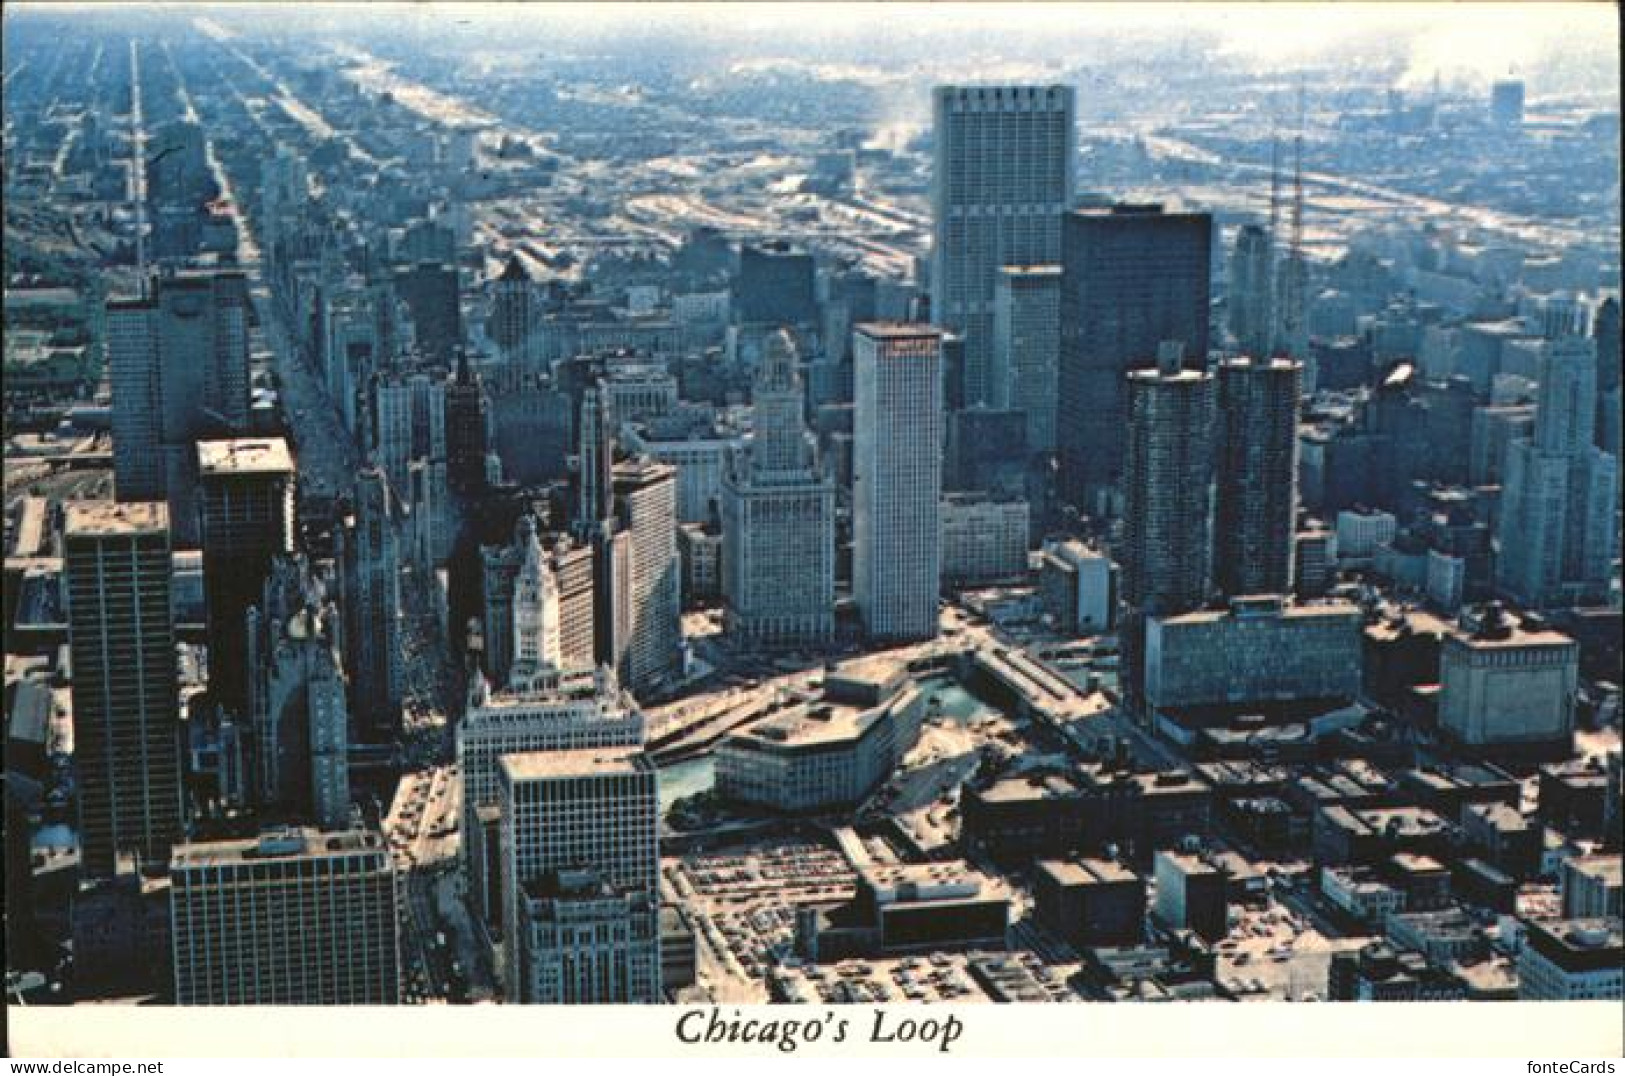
[1569,43]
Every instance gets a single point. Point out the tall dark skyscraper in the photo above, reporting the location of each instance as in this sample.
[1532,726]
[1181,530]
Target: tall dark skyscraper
[465,430]
[178,364]
[126,725]
[1133,277]
[430,291]
[1249,292]
[1001,179]
[370,596]
[247,519]
[1256,475]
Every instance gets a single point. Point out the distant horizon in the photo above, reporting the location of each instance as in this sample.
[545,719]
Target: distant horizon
[1473,42]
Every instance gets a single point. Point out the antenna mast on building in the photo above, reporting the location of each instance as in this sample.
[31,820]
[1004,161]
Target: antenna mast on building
[1295,269]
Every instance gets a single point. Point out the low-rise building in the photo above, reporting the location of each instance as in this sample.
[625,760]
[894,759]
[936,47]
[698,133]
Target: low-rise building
[1508,685]
[1572,960]
[1259,651]
[1090,902]
[829,751]
[906,908]
[984,539]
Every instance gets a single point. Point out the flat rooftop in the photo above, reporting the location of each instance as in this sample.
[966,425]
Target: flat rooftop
[109,517]
[1086,871]
[260,455]
[898,330]
[275,845]
[576,762]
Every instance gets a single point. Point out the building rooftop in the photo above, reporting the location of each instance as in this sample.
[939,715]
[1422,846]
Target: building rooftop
[1086,871]
[261,455]
[279,844]
[1256,608]
[576,762]
[898,330]
[92,518]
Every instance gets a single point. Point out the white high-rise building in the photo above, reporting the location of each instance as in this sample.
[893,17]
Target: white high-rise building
[536,638]
[593,809]
[556,710]
[1557,530]
[1002,177]
[897,478]
[649,581]
[295,917]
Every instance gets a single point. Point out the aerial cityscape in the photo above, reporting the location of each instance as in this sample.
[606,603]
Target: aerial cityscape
[713,505]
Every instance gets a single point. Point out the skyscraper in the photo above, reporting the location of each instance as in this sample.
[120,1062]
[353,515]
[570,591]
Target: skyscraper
[1001,178]
[778,520]
[297,709]
[1168,487]
[651,583]
[1133,277]
[294,917]
[571,566]
[246,501]
[897,478]
[514,312]
[1026,347]
[370,598]
[1252,274]
[178,364]
[1560,493]
[121,638]
[465,430]
[1167,504]
[564,710]
[430,291]
[1256,475]
[592,808]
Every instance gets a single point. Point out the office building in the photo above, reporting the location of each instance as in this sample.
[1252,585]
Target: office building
[908,907]
[1560,494]
[1250,299]
[467,426]
[1001,178]
[897,426]
[984,539]
[560,710]
[1593,886]
[515,313]
[246,502]
[775,286]
[1191,895]
[1090,902]
[295,917]
[1506,103]
[571,567]
[828,751]
[1026,348]
[121,640]
[1361,532]
[1572,960]
[408,423]
[1261,652]
[178,365]
[430,292]
[1132,278]
[589,943]
[297,710]
[1079,587]
[588,808]
[1256,475]
[649,578]
[369,566]
[778,520]
[1506,684]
